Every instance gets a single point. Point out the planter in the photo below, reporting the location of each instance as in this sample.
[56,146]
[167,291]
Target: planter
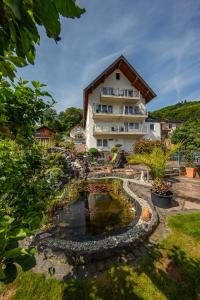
[109,169]
[161,201]
[190,172]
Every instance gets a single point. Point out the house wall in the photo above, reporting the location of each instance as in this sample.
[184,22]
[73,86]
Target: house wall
[44,132]
[153,135]
[94,98]
[76,132]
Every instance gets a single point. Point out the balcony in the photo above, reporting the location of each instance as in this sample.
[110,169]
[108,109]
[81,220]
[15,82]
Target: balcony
[117,94]
[108,112]
[122,131]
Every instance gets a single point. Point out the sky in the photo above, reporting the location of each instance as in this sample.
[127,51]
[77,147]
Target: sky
[160,38]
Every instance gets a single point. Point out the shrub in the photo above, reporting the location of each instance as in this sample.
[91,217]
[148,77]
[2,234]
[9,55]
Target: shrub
[146,146]
[116,186]
[115,149]
[189,159]
[93,151]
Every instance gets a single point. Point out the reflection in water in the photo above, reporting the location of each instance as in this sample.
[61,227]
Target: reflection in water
[91,215]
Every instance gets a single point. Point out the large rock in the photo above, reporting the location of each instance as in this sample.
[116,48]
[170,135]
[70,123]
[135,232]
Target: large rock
[146,214]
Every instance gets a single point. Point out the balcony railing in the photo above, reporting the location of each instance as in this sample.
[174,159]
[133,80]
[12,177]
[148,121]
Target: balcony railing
[129,93]
[141,128]
[120,111]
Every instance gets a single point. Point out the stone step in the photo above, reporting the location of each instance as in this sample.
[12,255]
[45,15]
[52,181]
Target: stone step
[186,197]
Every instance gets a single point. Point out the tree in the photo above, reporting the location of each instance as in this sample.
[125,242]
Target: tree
[51,119]
[19,35]
[188,134]
[22,107]
[70,118]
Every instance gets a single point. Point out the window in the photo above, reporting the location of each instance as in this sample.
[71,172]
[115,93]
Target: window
[117,76]
[101,143]
[110,109]
[104,108]
[152,127]
[170,126]
[131,110]
[105,143]
[133,126]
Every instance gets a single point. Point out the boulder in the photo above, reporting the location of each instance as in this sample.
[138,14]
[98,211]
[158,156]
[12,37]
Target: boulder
[146,214]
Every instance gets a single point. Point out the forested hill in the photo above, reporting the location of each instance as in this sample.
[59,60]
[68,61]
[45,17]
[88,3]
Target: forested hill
[182,111]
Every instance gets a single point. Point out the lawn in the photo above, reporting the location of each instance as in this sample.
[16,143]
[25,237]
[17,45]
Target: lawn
[172,271]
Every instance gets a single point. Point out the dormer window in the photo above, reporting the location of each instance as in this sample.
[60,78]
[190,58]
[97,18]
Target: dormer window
[117,76]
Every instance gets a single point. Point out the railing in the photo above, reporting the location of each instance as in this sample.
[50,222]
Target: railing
[119,111]
[141,128]
[109,91]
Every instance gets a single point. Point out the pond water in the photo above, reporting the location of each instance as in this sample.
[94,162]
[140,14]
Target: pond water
[92,214]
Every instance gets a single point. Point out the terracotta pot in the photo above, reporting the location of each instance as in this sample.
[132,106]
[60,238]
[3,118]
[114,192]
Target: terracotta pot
[190,172]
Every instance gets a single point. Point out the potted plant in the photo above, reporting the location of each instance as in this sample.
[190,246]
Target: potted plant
[156,160]
[190,169]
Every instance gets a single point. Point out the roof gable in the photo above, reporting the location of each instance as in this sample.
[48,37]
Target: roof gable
[132,75]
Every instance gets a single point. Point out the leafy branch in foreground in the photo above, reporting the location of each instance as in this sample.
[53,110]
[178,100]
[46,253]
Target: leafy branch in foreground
[21,106]
[19,32]
[10,252]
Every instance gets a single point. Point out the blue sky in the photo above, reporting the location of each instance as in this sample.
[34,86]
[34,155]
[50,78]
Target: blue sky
[160,38]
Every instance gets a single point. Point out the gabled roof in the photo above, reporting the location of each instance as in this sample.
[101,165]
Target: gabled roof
[45,127]
[127,69]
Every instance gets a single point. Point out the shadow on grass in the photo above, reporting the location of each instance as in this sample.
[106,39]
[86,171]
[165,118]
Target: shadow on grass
[176,275]
[173,277]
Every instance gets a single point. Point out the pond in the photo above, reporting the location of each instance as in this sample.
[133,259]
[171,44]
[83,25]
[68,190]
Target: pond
[94,213]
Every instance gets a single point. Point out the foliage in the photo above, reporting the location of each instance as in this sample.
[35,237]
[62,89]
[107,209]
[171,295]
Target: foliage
[189,134]
[27,179]
[93,151]
[50,119]
[21,108]
[19,32]
[10,252]
[189,159]
[70,146]
[156,160]
[182,111]
[160,187]
[69,118]
[146,146]
[117,186]
[115,150]
[64,121]
[73,190]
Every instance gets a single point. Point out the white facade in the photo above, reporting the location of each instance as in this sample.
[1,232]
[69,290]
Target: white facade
[154,130]
[77,132]
[116,114]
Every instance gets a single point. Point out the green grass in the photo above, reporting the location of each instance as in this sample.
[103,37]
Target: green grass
[150,281]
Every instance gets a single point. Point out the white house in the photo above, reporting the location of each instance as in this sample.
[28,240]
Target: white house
[77,133]
[153,129]
[115,108]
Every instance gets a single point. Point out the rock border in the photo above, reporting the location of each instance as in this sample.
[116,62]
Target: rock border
[80,252]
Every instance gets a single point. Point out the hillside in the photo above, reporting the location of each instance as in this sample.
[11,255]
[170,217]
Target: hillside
[182,111]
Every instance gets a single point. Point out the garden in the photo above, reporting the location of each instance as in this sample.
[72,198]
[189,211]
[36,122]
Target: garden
[84,225]
[68,231]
